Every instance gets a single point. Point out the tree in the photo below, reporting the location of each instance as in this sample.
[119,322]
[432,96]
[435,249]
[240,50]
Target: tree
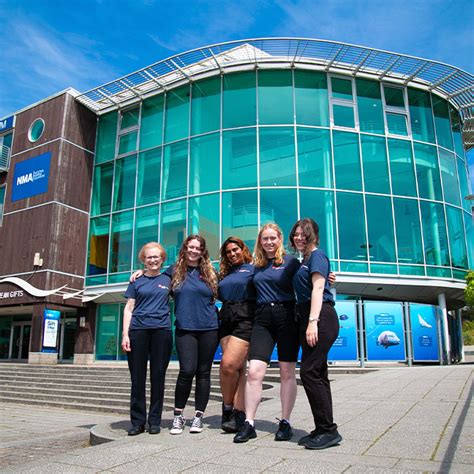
[469,291]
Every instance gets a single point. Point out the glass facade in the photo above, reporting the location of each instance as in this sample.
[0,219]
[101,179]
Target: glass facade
[380,167]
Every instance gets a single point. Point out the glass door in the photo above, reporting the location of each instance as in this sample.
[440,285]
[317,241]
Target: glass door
[20,341]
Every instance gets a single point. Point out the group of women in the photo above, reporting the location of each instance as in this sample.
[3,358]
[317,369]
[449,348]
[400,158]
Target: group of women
[266,300]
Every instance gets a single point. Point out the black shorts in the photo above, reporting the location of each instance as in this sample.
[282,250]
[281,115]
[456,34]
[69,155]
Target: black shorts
[275,324]
[236,319]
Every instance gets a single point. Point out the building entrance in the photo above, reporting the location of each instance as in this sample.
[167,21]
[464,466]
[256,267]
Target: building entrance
[20,341]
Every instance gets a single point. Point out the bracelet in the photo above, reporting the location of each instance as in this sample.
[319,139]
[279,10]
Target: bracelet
[312,320]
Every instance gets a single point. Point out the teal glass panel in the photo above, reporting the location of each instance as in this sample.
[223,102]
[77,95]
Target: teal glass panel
[124,183]
[463,184]
[151,128]
[102,189]
[401,168]
[449,177]
[175,170]
[314,158]
[177,114]
[386,268]
[146,230]
[411,270]
[239,158]
[277,156]
[275,97]
[106,137]
[94,281]
[438,272]
[130,118]
[369,106]
[98,245]
[354,267]
[457,240]
[427,172]
[148,179]
[2,202]
[347,161]
[118,278]
[351,226]
[240,216]
[456,129]
[341,88]
[279,205]
[397,124]
[442,122]
[239,100]
[120,257]
[421,116]
[128,143]
[374,158]
[394,97]
[203,216]
[206,106]
[460,274]
[343,116]
[173,228]
[381,237]
[320,206]
[408,231]
[204,164]
[469,226]
[107,336]
[434,234]
[311,98]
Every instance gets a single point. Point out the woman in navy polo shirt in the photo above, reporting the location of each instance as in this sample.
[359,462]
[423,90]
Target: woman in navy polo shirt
[194,288]
[237,293]
[319,328]
[274,323]
[147,334]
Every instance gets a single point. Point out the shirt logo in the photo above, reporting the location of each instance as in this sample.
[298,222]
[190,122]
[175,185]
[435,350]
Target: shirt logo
[278,268]
[163,287]
[243,271]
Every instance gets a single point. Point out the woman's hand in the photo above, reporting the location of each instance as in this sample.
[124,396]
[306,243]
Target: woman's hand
[312,333]
[126,343]
[331,278]
[136,275]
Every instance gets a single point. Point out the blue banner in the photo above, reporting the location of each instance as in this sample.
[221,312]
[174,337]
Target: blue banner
[7,123]
[384,331]
[424,333]
[345,346]
[50,330]
[31,177]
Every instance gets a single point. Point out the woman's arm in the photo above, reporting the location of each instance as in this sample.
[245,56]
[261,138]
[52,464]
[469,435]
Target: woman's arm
[136,275]
[127,317]
[316,303]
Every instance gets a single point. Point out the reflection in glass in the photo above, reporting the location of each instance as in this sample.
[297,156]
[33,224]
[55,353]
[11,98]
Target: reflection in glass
[275,97]
[347,161]
[239,100]
[311,97]
[449,177]
[146,230]
[408,231]
[272,210]
[102,189]
[369,103]
[98,245]
[351,225]
[120,258]
[427,172]
[128,143]
[442,123]
[177,114]
[148,179]
[106,134]
[434,233]
[124,183]
[374,158]
[175,169]
[204,164]
[421,116]
[457,241]
[401,168]
[151,128]
[381,237]
[173,228]
[206,106]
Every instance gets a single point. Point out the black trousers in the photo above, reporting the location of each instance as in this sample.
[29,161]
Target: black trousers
[196,351]
[156,345]
[314,366]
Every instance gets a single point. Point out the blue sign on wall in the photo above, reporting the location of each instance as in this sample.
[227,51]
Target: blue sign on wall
[31,177]
[345,346]
[50,330]
[384,331]
[7,123]
[424,333]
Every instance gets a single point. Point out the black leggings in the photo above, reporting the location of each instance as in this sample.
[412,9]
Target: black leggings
[196,351]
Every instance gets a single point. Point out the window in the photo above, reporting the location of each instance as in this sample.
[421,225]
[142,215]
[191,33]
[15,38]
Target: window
[36,130]
[146,230]
[442,122]
[408,231]
[369,106]
[434,234]
[449,176]
[427,172]
[395,110]
[148,177]
[151,128]
[106,136]
[98,245]
[421,116]
[102,189]
[128,134]
[381,237]
[239,100]
[401,168]
[374,157]
[124,183]
[2,202]
[347,161]
[120,256]
[457,241]
[175,170]
[342,102]
[204,164]
[272,210]
[206,106]
[173,228]
[311,97]
[275,97]
[177,114]
[129,118]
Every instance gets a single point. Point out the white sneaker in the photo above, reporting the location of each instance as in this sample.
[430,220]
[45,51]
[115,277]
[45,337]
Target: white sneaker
[196,425]
[178,425]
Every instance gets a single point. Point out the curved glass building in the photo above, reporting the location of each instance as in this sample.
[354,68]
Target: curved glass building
[222,139]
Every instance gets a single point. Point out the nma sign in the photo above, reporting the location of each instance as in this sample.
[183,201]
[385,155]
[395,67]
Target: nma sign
[31,177]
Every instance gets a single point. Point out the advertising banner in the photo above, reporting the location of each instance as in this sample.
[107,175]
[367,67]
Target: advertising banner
[6,123]
[50,329]
[424,333]
[384,331]
[345,346]
[31,177]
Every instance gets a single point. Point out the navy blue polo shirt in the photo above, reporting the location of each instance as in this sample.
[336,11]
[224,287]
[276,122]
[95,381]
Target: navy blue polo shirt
[195,309]
[151,295]
[316,263]
[274,283]
[237,285]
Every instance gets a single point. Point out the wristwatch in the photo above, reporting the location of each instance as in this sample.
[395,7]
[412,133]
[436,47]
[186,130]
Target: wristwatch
[312,319]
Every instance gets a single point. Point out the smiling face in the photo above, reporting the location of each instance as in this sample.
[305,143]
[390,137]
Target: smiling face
[299,240]
[234,254]
[270,240]
[153,260]
[193,252]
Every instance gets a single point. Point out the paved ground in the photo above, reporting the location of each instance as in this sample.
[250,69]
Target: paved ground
[415,419]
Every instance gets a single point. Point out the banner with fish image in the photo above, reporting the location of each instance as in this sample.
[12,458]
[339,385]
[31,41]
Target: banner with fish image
[345,346]
[424,333]
[384,331]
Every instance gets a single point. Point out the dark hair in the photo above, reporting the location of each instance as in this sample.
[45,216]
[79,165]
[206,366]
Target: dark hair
[225,264]
[310,231]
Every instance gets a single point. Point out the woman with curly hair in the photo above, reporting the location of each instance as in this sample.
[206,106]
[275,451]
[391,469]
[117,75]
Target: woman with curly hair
[237,293]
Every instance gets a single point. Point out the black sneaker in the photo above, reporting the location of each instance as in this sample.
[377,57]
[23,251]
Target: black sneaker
[239,420]
[228,421]
[248,432]
[323,441]
[136,430]
[284,432]
[303,440]
[154,429]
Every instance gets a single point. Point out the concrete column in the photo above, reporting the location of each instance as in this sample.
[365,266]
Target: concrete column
[444,327]
[461,341]
[35,356]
